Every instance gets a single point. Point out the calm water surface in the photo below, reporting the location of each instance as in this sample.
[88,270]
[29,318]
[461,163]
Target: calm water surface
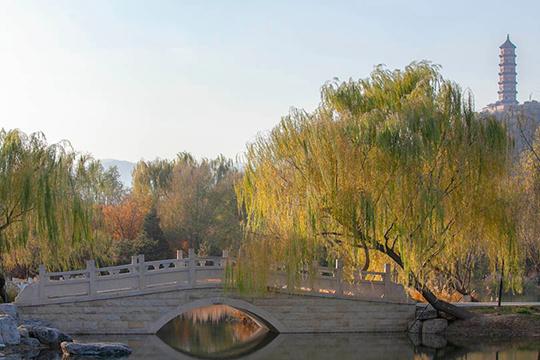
[221,332]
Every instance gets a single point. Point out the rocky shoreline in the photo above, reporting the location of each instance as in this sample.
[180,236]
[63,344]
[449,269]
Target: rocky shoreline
[428,329]
[34,338]
[430,332]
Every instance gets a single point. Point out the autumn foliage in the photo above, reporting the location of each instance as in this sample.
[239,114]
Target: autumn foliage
[125,220]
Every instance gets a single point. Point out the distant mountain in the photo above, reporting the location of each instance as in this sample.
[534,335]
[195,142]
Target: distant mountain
[125,168]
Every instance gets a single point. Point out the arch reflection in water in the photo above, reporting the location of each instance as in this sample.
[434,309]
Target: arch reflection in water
[216,332]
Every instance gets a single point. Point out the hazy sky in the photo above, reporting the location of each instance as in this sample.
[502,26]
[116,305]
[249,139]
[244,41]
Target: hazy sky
[144,79]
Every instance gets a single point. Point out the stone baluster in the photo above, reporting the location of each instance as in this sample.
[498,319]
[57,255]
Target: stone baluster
[315,278]
[133,268]
[91,271]
[142,271]
[42,281]
[339,277]
[192,266]
[387,278]
[224,258]
[179,256]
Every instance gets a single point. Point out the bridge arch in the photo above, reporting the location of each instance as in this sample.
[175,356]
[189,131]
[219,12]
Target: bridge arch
[259,314]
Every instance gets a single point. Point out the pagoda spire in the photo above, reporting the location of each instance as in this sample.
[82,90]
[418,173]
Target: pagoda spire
[507,73]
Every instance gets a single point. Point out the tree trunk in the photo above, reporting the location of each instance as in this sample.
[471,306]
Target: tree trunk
[431,298]
[499,300]
[441,305]
[3,293]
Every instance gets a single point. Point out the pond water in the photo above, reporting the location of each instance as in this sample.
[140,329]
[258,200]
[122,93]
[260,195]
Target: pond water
[221,332]
[216,332]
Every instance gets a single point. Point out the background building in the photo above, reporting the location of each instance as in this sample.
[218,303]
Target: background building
[522,119]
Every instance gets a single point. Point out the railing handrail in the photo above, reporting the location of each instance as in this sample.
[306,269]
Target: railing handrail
[132,265]
[142,276]
[120,267]
[71,272]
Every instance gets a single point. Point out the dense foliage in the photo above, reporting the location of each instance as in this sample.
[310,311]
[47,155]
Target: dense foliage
[528,209]
[150,242]
[49,202]
[398,165]
[195,200]
[62,208]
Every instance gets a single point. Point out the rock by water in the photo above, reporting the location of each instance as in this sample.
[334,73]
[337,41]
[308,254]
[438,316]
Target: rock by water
[95,349]
[434,326]
[35,322]
[434,341]
[30,342]
[415,338]
[415,326]
[9,334]
[23,331]
[9,309]
[426,312]
[49,336]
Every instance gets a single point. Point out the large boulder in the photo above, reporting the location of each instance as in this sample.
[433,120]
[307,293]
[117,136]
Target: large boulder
[95,349]
[49,336]
[9,309]
[434,326]
[9,333]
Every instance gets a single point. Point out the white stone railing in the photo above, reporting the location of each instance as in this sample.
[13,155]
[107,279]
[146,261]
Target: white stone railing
[138,277]
[327,281]
[141,277]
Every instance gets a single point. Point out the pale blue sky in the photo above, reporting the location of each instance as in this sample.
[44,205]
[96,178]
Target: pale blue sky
[144,79]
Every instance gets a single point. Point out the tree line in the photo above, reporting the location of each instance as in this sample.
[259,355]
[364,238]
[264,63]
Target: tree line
[397,167]
[60,208]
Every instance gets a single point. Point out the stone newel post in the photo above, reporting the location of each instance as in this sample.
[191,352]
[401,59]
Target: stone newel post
[315,278]
[192,266]
[142,270]
[388,284]
[224,258]
[339,277]
[91,270]
[42,280]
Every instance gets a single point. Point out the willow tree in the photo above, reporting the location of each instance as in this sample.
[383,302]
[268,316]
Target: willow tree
[528,187]
[397,166]
[42,197]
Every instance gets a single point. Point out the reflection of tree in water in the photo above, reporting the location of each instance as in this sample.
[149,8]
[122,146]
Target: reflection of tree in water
[213,330]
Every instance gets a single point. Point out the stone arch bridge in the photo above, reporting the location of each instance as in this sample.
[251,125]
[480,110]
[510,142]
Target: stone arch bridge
[141,297]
